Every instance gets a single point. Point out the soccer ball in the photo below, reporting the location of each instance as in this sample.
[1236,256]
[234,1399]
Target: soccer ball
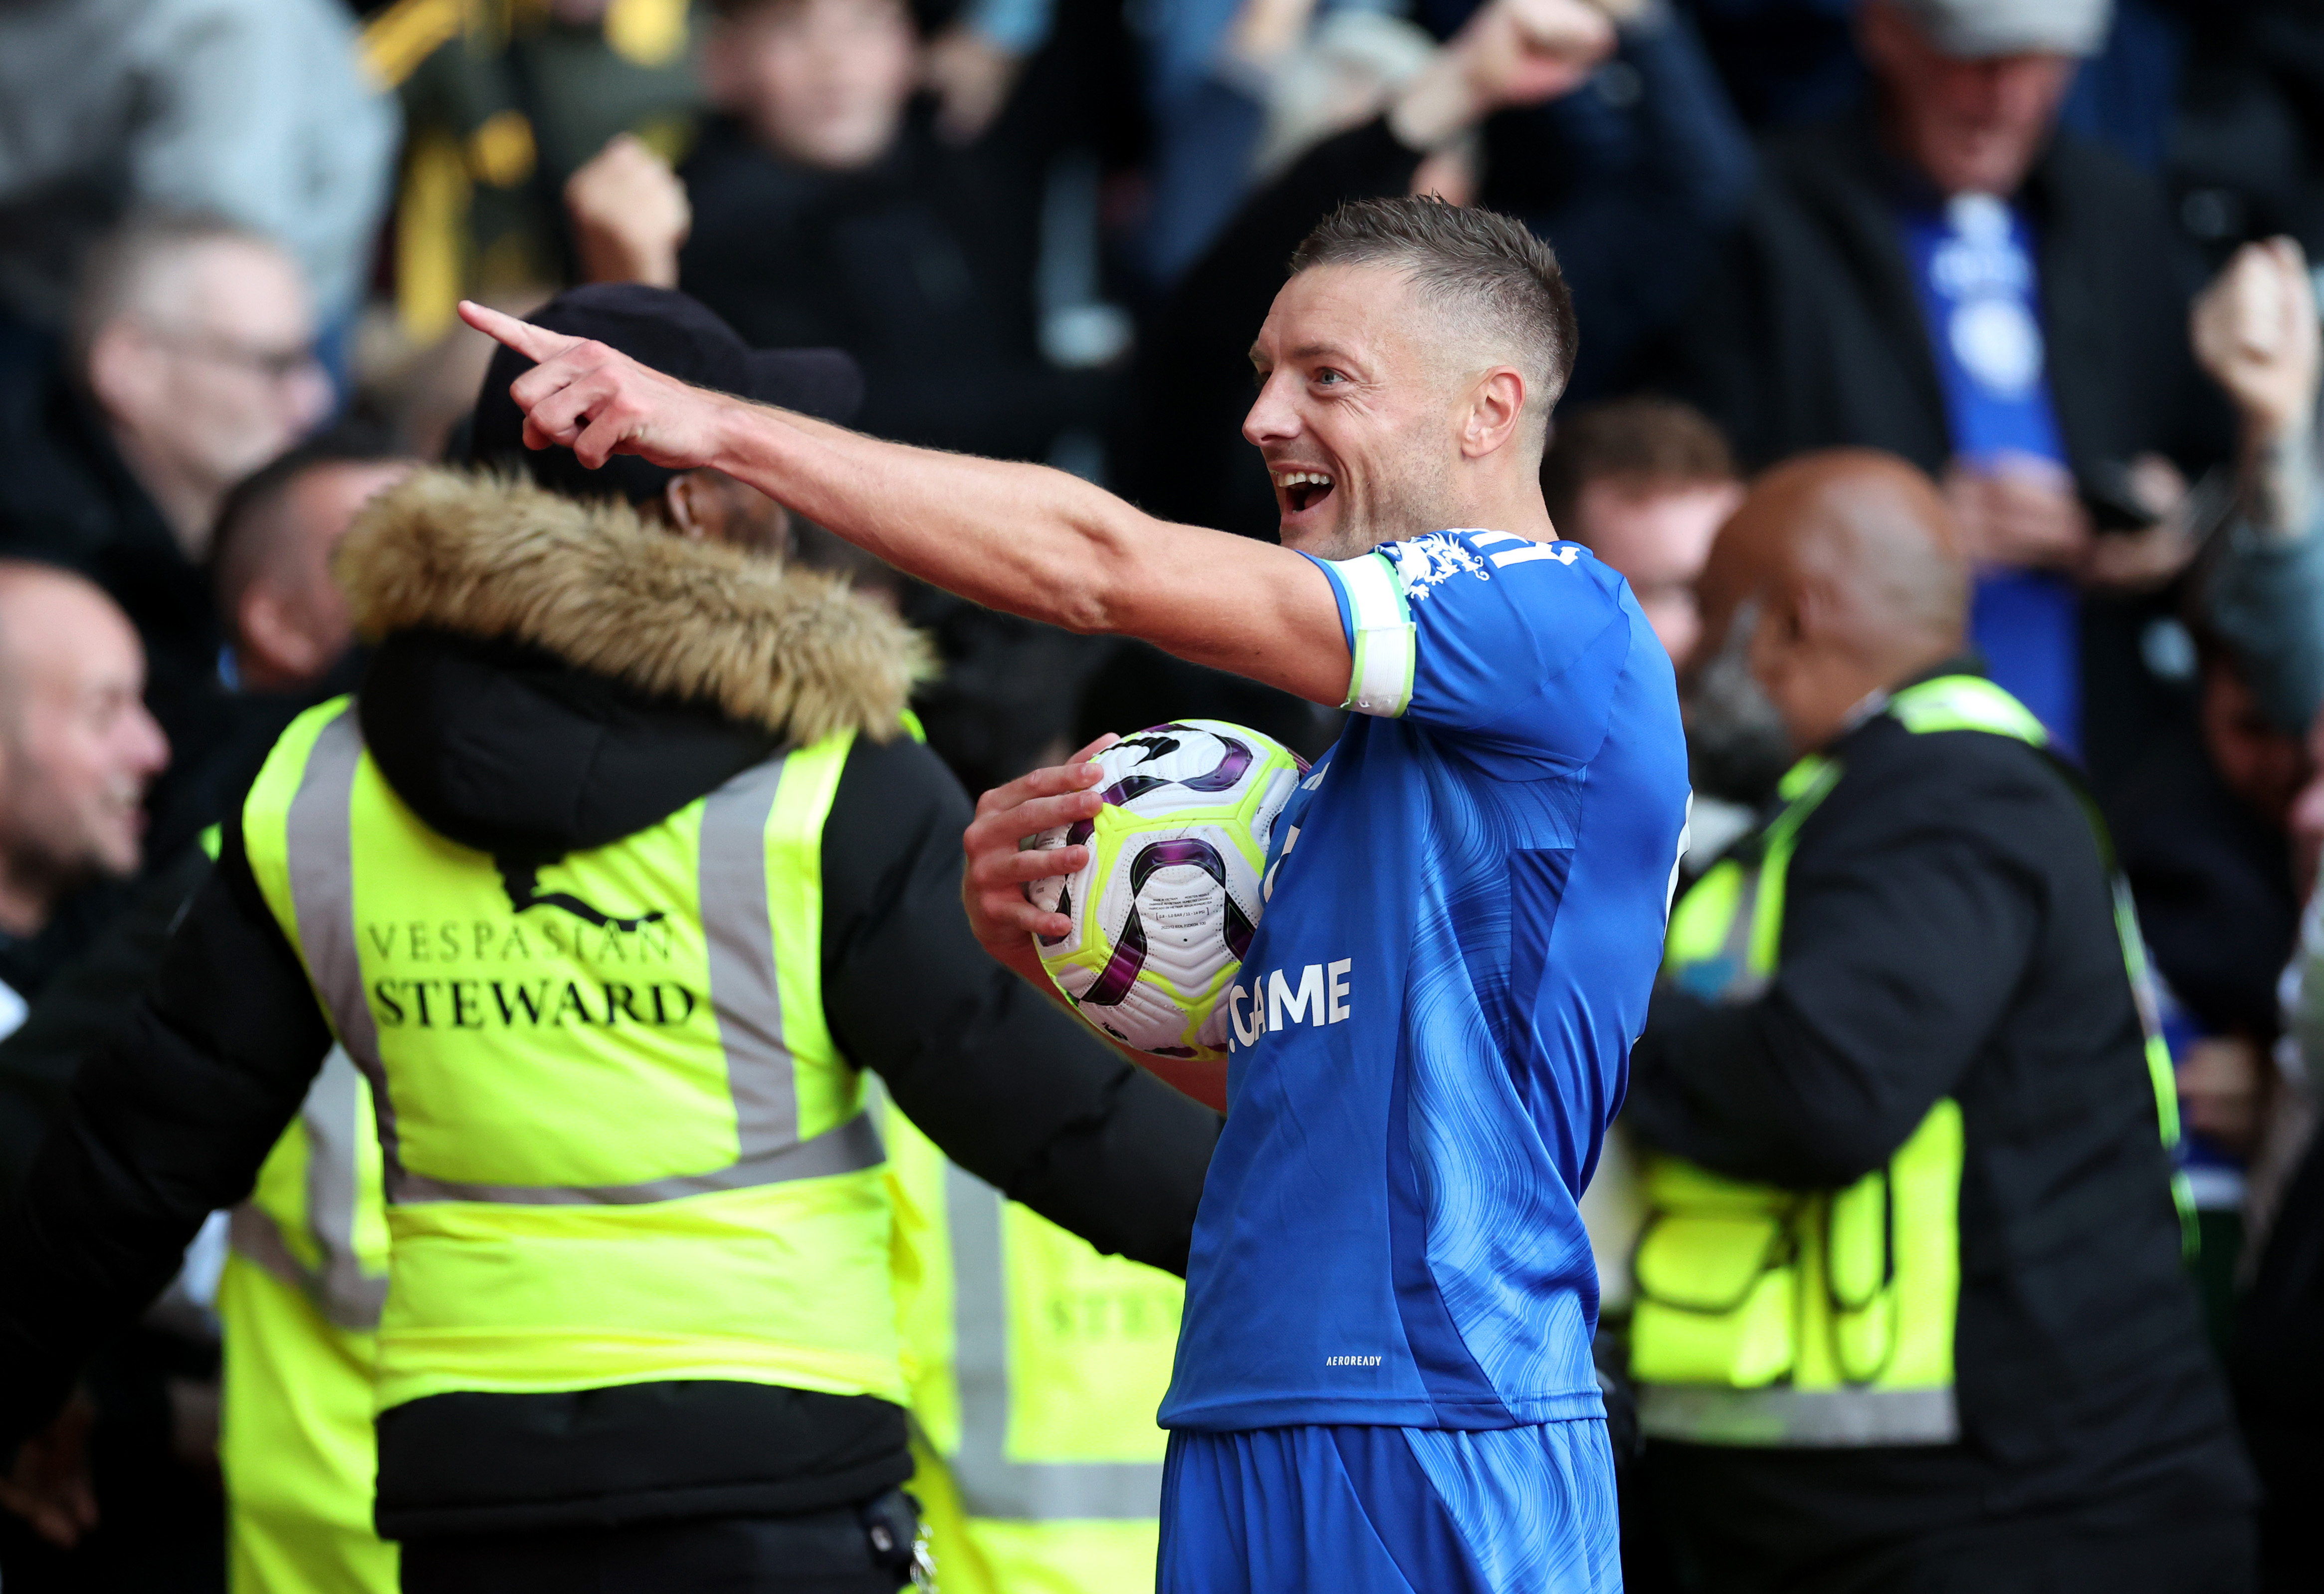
[1164,910]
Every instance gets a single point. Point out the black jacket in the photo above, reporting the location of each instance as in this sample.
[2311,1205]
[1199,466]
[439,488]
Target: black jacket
[1810,334]
[482,725]
[1948,932]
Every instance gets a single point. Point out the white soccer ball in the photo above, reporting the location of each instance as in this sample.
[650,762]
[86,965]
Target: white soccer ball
[1164,910]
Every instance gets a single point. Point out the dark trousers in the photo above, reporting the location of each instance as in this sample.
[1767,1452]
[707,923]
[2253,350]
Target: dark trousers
[825,1553]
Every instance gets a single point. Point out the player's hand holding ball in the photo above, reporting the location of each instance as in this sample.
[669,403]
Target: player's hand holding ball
[1144,902]
[999,866]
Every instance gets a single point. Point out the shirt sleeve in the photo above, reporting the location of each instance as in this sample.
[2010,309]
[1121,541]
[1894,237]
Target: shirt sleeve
[1512,648]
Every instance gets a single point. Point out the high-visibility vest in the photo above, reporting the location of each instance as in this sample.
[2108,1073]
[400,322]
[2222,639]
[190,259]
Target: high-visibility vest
[1765,1316]
[618,1143]
[299,1307]
[1036,1366]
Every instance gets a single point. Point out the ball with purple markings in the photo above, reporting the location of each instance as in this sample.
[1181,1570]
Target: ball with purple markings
[1164,910]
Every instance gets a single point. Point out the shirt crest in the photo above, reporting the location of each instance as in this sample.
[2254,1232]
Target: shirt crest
[1425,563]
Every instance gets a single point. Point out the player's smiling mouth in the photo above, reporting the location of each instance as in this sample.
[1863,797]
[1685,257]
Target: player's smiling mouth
[1301,490]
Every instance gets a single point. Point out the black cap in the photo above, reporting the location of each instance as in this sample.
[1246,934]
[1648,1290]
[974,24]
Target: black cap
[677,335]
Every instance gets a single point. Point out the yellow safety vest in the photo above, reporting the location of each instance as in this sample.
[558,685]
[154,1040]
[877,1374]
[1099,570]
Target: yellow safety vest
[619,1145]
[299,1304]
[1765,1316]
[1036,1367]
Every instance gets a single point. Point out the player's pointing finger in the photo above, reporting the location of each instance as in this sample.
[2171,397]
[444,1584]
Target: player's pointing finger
[534,343]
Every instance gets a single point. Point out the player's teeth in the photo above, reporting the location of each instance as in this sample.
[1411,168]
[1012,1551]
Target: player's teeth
[1301,479]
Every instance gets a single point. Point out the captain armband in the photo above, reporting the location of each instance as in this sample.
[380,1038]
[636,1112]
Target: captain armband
[1381,636]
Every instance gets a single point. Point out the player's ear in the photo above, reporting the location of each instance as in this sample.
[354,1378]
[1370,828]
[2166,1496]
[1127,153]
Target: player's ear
[1496,410]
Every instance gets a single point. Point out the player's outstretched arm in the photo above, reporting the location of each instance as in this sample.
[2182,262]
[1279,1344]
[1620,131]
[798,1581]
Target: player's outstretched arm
[1021,538]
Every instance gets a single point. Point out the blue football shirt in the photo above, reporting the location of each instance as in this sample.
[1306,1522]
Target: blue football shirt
[1431,1028]
[1973,266]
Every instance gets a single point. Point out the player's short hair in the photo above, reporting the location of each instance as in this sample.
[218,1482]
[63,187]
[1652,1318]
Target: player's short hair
[116,276]
[1484,268]
[1650,441]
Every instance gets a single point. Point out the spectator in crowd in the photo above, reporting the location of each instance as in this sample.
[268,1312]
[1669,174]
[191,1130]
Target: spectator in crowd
[505,100]
[156,1518]
[254,110]
[1644,483]
[290,641]
[1945,277]
[1627,228]
[77,751]
[826,211]
[192,364]
[292,644]
[287,623]
[2200,819]
[2257,333]
[1911,1312]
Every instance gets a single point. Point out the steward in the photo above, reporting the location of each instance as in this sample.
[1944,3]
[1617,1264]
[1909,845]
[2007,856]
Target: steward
[1910,1308]
[1035,1366]
[616,874]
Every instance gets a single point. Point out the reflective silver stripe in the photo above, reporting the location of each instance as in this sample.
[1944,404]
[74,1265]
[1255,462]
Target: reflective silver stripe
[321,859]
[744,991]
[340,1288]
[852,1148]
[1829,1418]
[991,1485]
[348,1295]
[1748,984]
[254,1234]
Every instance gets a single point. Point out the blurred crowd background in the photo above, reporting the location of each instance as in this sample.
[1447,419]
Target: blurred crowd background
[233,233]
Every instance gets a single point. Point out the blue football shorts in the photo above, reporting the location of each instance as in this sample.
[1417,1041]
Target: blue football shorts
[1364,1510]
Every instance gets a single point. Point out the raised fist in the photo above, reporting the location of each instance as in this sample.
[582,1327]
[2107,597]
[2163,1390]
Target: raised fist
[2255,331]
[1511,52]
[630,215]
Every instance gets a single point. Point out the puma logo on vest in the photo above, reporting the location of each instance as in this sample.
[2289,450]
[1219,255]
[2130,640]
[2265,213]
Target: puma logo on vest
[522,880]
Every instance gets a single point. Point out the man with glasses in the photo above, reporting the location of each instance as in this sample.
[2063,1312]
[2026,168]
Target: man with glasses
[190,363]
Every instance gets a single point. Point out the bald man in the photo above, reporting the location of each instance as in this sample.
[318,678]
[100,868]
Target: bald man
[77,752]
[1910,1310]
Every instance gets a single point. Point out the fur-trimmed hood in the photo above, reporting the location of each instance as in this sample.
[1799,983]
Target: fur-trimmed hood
[492,558]
[552,675]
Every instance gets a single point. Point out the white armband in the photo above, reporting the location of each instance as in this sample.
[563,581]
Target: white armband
[1380,635]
